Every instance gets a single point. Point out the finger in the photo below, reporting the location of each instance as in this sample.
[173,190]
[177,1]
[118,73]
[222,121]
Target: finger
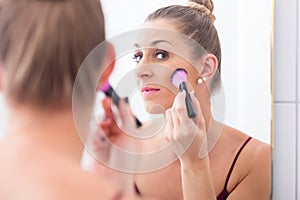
[169,125]
[106,104]
[108,111]
[199,120]
[106,127]
[186,120]
[181,109]
[195,102]
[123,109]
[180,116]
[179,105]
[105,121]
[109,127]
[175,119]
[126,114]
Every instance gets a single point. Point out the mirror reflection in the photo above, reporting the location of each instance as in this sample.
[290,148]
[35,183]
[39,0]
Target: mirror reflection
[246,57]
[215,152]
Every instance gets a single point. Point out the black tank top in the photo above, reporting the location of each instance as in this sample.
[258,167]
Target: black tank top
[224,193]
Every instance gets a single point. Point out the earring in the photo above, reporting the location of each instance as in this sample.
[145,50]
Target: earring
[201,80]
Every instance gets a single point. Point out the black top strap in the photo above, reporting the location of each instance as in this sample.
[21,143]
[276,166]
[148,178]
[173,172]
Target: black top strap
[234,161]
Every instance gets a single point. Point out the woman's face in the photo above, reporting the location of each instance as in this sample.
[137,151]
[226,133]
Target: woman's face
[158,53]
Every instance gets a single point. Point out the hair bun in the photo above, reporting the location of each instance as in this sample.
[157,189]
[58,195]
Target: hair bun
[205,6]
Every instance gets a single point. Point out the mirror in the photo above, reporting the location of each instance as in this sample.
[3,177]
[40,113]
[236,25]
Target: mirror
[244,101]
[246,57]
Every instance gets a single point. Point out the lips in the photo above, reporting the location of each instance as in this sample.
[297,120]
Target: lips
[149,90]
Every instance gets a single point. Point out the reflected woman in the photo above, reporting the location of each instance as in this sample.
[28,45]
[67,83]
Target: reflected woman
[234,166]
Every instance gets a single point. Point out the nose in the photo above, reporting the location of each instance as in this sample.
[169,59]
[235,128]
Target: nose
[144,69]
[143,72]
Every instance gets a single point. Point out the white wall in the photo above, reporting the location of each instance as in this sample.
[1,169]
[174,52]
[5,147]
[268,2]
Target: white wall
[245,40]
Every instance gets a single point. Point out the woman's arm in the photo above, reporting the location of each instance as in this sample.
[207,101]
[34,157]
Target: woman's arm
[188,137]
[196,180]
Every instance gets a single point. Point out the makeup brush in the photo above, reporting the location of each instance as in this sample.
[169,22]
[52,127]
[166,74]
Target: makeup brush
[178,78]
[108,90]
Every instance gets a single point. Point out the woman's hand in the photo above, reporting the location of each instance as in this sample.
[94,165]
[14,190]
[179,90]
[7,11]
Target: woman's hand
[188,136]
[118,124]
[110,135]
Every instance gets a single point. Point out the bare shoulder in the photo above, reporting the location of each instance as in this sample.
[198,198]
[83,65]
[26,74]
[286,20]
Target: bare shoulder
[50,176]
[251,178]
[88,185]
[255,153]
[259,151]
[75,183]
[254,147]
[2,147]
[257,163]
[258,157]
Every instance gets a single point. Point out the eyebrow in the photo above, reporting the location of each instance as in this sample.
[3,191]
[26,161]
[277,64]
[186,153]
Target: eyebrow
[155,43]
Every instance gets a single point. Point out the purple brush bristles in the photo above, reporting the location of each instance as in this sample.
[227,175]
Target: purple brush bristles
[178,76]
[106,87]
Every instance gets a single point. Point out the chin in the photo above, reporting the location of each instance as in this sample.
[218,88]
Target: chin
[155,109]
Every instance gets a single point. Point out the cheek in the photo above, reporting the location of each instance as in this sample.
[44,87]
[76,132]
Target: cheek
[167,100]
[193,76]
[192,82]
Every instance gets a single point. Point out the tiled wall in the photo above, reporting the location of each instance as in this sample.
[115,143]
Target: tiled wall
[286,177]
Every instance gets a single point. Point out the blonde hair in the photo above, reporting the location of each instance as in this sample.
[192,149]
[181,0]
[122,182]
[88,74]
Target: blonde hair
[195,20]
[203,6]
[42,45]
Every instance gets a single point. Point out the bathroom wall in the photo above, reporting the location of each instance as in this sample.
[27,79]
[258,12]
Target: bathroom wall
[286,101]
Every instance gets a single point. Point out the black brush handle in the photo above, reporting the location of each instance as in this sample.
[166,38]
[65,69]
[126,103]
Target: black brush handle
[113,95]
[115,98]
[138,123]
[188,101]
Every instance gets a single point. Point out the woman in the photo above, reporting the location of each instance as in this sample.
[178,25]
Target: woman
[221,163]
[42,45]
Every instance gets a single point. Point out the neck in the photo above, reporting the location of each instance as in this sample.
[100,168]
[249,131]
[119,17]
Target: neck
[48,129]
[213,127]
[205,108]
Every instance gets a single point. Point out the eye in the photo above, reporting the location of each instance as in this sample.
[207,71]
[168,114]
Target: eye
[160,54]
[137,56]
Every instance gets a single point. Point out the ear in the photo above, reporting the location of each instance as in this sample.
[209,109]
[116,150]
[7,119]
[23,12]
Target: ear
[210,66]
[108,65]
